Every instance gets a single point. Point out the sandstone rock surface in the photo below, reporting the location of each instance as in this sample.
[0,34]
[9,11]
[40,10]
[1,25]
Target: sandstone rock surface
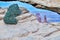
[28,28]
[49,3]
[52,5]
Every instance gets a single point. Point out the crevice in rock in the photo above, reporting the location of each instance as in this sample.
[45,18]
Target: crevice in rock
[24,35]
[26,17]
[51,33]
[36,31]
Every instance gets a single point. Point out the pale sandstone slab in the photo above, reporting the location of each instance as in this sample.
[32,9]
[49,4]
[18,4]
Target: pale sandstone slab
[30,29]
[49,3]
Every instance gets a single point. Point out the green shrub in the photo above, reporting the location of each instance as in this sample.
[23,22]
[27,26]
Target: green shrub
[11,14]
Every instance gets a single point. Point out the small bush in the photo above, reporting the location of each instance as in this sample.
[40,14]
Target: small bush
[11,14]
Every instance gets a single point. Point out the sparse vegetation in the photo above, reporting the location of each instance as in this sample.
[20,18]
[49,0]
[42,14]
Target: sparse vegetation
[12,13]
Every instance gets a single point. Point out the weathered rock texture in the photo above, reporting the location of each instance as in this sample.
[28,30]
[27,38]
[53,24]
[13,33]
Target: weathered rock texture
[2,11]
[52,5]
[24,10]
[28,28]
[12,12]
[49,3]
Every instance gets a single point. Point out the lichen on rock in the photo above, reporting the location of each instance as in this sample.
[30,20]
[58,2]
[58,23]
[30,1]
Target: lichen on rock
[11,14]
